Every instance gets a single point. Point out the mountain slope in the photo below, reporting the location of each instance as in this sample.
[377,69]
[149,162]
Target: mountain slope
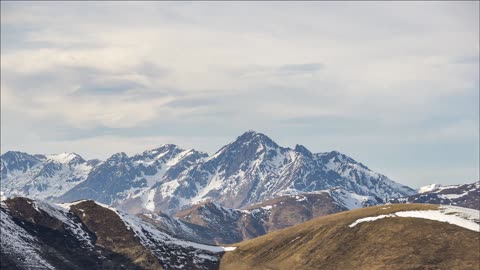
[42,176]
[86,235]
[343,241]
[121,177]
[467,195]
[229,225]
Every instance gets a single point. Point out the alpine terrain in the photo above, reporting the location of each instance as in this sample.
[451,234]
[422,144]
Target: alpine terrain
[247,171]
[86,235]
[466,195]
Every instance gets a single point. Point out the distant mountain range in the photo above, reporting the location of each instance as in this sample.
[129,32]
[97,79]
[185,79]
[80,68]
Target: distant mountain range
[247,171]
[466,195]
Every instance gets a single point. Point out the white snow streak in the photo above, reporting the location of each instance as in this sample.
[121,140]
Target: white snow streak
[459,216]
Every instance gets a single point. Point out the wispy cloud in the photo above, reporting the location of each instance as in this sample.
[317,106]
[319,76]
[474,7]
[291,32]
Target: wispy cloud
[329,75]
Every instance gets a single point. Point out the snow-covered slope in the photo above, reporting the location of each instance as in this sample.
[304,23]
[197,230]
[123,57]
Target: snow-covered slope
[121,177]
[42,176]
[37,233]
[254,168]
[428,188]
[16,242]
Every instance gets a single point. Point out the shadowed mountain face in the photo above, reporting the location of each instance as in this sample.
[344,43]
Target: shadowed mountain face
[85,235]
[337,242]
[467,195]
[251,169]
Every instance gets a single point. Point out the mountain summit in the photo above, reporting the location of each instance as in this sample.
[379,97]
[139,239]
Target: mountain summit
[251,169]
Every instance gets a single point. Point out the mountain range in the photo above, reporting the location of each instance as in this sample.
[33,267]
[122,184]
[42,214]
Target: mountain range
[247,171]
[281,208]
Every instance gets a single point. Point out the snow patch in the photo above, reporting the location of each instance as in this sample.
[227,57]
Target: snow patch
[428,188]
[19,243]
[63,158]
[459,216]
[150,204]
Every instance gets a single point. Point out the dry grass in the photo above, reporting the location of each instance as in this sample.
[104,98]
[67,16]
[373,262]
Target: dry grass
[392,243]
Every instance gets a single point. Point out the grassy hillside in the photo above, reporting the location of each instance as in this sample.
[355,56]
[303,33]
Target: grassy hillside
[390,243]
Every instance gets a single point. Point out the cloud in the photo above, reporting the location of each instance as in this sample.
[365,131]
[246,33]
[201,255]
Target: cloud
[293,69]
[330,75]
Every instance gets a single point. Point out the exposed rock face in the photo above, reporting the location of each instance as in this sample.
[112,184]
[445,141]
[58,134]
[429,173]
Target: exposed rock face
[36,238]
[234,225]
[112,234]
[467,195]
[85,235]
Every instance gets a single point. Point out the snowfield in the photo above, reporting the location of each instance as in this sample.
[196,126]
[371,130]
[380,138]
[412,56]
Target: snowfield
[459,216]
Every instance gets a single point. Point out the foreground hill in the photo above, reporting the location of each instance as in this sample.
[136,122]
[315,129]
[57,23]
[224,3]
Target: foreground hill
[467,195]
[86,235]
[356,240]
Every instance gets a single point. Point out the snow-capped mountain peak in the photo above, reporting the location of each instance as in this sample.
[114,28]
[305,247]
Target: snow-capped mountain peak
[41,176]
[65,158]
[302,149]
[428,188]
[16,162]
[251,169]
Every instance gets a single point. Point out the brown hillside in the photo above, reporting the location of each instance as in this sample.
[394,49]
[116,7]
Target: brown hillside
[391,243]
[112,233]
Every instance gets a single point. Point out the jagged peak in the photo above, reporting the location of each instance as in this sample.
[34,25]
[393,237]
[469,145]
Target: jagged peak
[163,149]
[251,136]
[302,149]
[247,140]
[167,151]
[337,156]
[118,157]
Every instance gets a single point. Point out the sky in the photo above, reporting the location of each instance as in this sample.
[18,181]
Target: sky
[394,85]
